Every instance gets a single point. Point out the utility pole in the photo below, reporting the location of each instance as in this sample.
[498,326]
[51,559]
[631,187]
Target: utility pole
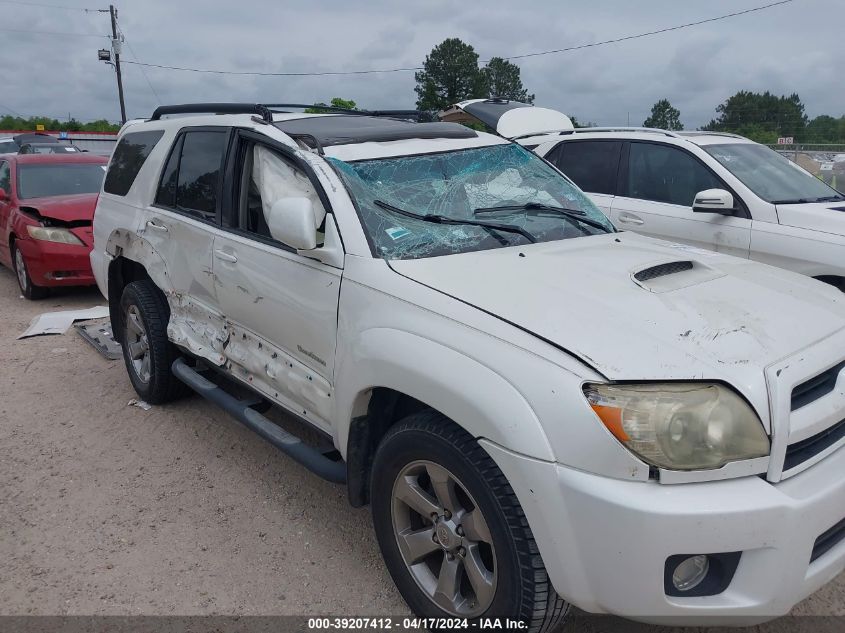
[116,47]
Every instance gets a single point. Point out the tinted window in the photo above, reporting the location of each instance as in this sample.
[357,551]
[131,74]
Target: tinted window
[8,147]
[44,180]
[128,157]
[197,175]
[166,195]
[666,174]
[592,165]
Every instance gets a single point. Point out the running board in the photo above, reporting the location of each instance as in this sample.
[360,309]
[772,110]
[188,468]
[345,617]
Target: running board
[292,446]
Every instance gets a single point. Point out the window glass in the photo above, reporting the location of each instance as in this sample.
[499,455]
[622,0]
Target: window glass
[773,177]
[166,195]
[666,174]
[128,158]
[431,205]
[5,183]
[198,182]
[8,147]
[57,179]
[592,165]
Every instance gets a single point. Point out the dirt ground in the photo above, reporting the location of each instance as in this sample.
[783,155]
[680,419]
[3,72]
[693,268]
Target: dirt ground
[110,509]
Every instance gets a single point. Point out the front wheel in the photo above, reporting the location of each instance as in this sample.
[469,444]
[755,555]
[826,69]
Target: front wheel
[451,529]
[28,289]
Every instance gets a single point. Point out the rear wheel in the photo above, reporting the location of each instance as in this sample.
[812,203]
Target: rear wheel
[147,352]
[451,529]
[28,289]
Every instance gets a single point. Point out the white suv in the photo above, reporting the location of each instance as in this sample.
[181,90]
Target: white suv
[539,410]
[717,191]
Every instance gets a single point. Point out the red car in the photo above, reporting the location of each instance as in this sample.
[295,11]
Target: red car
[46,209]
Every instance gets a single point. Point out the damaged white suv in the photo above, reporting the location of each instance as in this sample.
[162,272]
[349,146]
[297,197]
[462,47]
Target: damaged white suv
[539,410]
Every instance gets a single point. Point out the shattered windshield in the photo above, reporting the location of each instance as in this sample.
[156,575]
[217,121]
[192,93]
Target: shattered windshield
[451,202]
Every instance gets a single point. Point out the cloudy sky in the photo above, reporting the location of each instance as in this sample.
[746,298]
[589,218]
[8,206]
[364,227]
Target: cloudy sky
[795,47]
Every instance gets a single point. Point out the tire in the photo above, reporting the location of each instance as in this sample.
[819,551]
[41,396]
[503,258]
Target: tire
[147,352]
[28,289]
[493,551]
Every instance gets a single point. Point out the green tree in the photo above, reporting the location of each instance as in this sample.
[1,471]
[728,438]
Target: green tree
[336,102]
[664,116]
[450,74]
[760,117]
[577,124]
[16,123]
[825,129]
[502,79]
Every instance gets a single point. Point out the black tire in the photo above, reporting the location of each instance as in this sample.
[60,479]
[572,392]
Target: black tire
[523,590]
[148,304]
[28,289]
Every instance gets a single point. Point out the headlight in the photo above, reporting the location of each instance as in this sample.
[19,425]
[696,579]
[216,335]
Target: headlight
[52,234]
[680,426]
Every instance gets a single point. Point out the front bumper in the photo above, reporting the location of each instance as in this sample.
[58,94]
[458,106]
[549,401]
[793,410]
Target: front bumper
[55,264]
[605,541]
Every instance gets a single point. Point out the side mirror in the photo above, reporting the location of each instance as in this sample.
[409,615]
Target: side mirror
[292,222]
[713,201]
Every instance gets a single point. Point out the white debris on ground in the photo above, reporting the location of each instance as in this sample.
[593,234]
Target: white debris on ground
[60,322]
[146,406]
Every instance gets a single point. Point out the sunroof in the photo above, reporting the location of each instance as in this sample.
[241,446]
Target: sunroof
[345,130]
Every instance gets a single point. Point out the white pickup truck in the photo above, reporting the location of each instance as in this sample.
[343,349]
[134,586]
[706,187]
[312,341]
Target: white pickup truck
[712,190]
[539,410]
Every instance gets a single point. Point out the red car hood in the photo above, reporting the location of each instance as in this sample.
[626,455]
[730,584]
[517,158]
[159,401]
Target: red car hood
[71,208]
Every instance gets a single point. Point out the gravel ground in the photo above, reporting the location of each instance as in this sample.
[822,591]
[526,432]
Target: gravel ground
[110,509]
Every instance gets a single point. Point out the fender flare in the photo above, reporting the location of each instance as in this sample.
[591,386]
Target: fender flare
[473,395]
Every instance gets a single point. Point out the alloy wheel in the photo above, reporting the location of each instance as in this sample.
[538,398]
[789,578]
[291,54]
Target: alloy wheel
[138,345]
[444,539]
[20,269]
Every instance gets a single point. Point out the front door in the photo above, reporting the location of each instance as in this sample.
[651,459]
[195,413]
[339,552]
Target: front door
[5,211]
[657,187]
[283,304]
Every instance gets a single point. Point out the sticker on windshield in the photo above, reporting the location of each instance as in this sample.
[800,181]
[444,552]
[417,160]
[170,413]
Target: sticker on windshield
[397,232]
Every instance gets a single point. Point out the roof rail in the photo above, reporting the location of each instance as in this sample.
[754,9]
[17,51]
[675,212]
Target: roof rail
[650,130]
[708,133]
[331,109]
[214,108]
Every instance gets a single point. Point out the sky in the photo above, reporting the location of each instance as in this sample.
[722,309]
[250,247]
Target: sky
[796,47]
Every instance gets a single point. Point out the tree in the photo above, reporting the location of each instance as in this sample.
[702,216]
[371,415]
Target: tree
[450,74]
[16,123]
[501,79]
[664,116]
[336,102]
[760,117]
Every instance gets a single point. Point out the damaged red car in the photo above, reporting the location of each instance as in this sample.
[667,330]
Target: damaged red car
[46,209]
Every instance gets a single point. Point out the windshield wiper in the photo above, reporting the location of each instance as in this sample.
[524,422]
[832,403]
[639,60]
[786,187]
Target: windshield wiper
[442,219]
[538,208]
[835,198]
[794,201]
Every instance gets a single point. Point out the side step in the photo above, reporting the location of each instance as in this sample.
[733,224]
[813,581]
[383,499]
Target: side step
[289,444]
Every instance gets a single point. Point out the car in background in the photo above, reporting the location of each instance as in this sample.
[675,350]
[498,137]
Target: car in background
[46,211]
[711,190]
[48,148]
[13,144]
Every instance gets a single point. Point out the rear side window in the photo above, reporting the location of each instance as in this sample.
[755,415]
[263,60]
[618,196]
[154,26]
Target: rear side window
[5,180]
[190,182]
[128,158]
[592,165]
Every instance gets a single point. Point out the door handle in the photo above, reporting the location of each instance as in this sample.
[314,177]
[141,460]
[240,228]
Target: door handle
[152,224]
[224,256]
[630,218]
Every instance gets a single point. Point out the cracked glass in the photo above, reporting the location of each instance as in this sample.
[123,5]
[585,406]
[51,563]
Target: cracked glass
[455,185]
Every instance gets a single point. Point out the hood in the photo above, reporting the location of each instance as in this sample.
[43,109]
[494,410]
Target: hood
[635,308]
[510,119]
[828,217]
[74,208]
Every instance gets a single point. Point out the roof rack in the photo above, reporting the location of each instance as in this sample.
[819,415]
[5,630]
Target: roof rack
[331,109]
[649,130]
[214,108]
[708,133]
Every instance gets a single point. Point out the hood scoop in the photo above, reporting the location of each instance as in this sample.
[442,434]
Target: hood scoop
[667,276]
[661,270]
[837,208]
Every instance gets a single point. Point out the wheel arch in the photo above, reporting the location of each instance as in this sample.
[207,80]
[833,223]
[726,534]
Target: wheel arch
[379,387]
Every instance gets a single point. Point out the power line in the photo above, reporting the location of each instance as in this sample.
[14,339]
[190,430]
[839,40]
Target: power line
[414,68]
[52,6]
[141,68]
[52,33]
